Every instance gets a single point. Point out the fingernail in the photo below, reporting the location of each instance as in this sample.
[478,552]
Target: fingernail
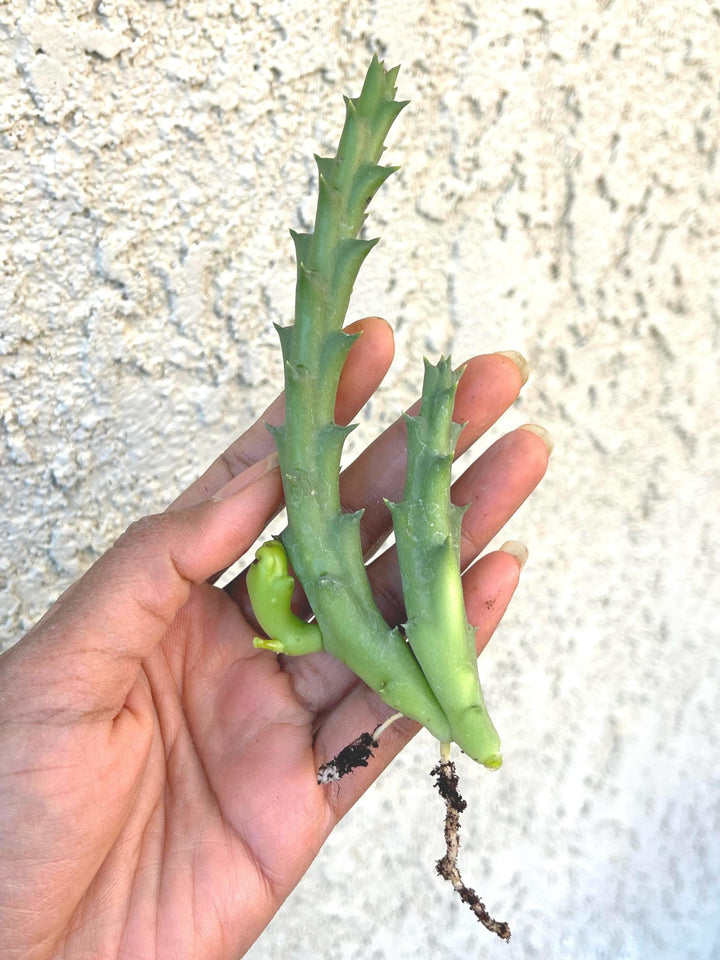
[517,550]
[245,479]
[520,362]
[542,433]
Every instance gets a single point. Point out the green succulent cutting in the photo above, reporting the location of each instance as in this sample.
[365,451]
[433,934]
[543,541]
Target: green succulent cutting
[426,669]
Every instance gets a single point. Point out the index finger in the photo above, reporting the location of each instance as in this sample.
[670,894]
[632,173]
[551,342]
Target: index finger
[366,365]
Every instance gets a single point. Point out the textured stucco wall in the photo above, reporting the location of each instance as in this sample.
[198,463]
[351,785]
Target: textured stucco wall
[560,195]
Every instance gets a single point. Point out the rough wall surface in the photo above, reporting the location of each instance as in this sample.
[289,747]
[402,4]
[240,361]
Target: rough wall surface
[560,195]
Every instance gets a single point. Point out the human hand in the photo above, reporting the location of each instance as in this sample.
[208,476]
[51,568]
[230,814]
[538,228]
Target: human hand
[158,792]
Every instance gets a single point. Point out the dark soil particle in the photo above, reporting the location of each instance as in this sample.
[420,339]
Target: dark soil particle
[355,754]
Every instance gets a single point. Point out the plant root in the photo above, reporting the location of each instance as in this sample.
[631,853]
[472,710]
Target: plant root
[355,754]
[447,785]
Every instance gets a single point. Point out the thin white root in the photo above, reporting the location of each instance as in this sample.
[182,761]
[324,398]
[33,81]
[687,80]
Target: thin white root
[380,730]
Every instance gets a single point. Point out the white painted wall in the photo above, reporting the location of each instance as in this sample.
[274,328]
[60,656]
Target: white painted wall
[560,195]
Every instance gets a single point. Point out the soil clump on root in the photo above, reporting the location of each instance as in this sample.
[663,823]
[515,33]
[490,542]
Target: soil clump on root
[446,783]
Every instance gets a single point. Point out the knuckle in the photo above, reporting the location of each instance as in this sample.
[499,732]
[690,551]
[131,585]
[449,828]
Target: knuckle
[147,529]
[235,461]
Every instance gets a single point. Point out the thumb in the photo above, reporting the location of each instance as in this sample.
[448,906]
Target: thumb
[91,641]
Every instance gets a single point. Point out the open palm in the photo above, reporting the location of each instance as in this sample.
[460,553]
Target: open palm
[158,791]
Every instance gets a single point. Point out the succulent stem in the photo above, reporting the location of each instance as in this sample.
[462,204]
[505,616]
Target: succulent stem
[429,671]
[427,534]
[322,542]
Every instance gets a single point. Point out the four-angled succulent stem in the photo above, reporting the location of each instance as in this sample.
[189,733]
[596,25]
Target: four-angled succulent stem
[427,534]
[428,671]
